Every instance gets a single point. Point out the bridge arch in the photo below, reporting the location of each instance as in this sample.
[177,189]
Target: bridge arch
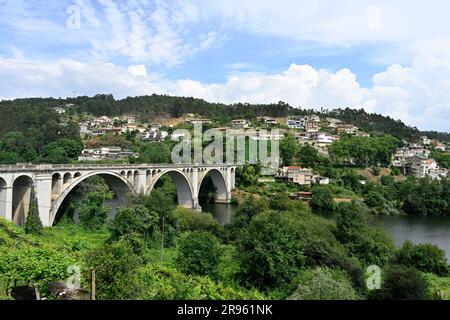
[183,184]
[220,182]
[21,187]
[3,197]
[119,184]
[67,178]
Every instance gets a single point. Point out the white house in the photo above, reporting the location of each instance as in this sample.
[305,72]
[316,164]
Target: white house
[295,124]
[240,124]
[323,139]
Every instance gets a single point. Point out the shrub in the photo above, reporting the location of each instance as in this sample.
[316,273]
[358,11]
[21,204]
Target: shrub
[115,268]
[249,208]
[322,198]
[424,257]
[387,180]
[164,283]
[270,251]
[401,283]
[324,283]
[135,221]
[190,220]
[93,215]
[198,254]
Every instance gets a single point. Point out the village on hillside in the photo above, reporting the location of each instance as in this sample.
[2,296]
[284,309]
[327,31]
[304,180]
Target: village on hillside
[412,159]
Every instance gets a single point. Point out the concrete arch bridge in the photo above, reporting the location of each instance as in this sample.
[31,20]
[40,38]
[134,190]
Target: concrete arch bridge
[53,183]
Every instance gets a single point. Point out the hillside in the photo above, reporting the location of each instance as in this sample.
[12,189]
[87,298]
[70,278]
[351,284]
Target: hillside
[34,112]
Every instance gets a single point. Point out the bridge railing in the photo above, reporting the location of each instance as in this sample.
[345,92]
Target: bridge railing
[51,167]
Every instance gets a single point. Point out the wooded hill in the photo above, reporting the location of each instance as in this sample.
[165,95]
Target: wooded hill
[32,112]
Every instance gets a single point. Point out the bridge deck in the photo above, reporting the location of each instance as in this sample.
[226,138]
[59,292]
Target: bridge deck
[53,167]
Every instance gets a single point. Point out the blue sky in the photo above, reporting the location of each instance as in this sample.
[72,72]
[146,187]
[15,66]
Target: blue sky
[388,57]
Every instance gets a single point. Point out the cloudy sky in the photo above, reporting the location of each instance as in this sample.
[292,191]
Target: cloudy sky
[390,57]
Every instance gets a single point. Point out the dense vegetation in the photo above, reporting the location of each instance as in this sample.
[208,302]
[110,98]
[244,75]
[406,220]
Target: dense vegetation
[37,115]
[274,247]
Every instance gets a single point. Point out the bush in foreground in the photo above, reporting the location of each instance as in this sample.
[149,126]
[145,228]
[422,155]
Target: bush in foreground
[425,257]
[324,283]
[401,283]
[198,254]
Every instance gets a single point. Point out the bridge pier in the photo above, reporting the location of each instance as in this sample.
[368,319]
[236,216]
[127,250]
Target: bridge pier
[43,186]
[6,199]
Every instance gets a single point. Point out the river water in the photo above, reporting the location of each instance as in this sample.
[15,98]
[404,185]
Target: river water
[434,230]
[222,212]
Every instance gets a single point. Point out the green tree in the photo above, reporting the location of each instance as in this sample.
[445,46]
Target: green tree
[93,215]
[308,156]
[192,220]
[115,268]
[155,152]
[246,176]
[387,180]
[442,158]
[368,243]
[401,283]
[289,149]
[425,197]
[61,151]
[424,257]
[323,283]
[199,254]
[33,224]
[249,208]
[270,251]
[322,198]
[15,147]
[364,151]
[136,222]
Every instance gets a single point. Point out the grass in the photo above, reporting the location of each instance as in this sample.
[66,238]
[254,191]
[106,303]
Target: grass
[153,256]
[72,236]
[438,287]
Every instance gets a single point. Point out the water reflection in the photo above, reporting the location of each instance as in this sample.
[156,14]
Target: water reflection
[222,212]
[434,230]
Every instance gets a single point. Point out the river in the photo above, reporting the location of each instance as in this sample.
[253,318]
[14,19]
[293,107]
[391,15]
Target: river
[222,212]
[434,230]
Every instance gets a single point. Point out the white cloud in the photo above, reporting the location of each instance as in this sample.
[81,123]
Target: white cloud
[418,95]
[152,32]
[156,32]
[400,29]
[63,78]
